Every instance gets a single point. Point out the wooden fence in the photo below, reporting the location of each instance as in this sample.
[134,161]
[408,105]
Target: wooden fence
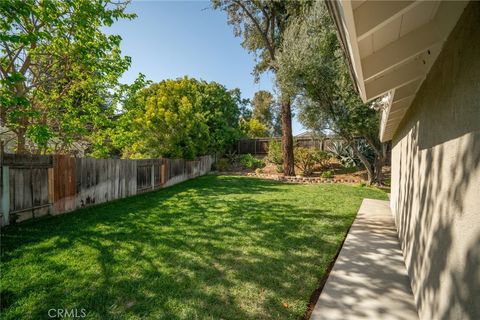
[259,146]
[33,186]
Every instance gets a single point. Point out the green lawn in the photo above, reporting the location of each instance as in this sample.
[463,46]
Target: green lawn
[215,247]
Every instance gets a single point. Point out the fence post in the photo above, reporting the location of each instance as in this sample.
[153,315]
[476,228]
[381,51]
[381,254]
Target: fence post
[6,195]
[153,175]
[162,172]
[51,183]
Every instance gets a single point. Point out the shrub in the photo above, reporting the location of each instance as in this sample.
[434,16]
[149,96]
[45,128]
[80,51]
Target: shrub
[305,159]
[232,157]
[327,174]
[250,162]
[275,154]
[258,171]
[223,164]
[323,159]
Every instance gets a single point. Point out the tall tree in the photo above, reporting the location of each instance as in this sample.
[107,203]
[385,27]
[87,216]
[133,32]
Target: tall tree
[261,24]
[263,106]
[58,68]
[313,68]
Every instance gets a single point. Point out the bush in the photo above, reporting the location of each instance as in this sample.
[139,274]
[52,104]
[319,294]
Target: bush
[323,159]
[223,164]
[327,174]
[232,157]
[305,159]
[275,154]
[258,171]
[250,162]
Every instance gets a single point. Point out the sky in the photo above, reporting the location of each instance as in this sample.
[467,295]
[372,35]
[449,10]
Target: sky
[171,39]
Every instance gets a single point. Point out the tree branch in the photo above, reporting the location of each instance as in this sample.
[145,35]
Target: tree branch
[259,28]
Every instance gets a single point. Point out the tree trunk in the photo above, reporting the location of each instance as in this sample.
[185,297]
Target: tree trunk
[379,162]
[370,169]
[368,166]
[21,148]
[378,171]
[287,138]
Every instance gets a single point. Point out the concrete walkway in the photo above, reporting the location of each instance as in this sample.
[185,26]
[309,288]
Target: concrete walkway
[369,279]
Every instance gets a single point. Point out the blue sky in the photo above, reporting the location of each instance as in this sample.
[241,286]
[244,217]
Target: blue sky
[171,39]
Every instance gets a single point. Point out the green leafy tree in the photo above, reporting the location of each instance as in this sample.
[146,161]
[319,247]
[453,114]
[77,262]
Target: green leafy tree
[182,118]
[117,136]
[58,69]
[265,111]
[262,24]
[253,128]
[313,67]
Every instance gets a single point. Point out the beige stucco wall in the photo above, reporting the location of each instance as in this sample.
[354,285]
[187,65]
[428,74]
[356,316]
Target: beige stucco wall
[436,179]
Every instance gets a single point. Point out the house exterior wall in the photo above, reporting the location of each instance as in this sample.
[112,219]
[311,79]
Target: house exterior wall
[436,179]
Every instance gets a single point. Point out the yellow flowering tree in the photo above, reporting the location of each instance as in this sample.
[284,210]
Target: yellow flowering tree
[182,118]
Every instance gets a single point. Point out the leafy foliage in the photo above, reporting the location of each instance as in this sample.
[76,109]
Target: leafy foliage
[261,25]
[266,111]
[327,174]
[253,128]
[223,164]
[250,162]
[58,70]
[231,156]
[306,159]
[117,137]
[182,118]
[323,159]
[275,154]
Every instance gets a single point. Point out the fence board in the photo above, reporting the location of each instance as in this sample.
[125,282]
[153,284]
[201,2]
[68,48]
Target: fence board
[144,175]
[132,177]
[64,184]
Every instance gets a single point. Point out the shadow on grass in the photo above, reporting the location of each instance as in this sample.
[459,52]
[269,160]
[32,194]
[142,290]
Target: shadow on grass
[213,247]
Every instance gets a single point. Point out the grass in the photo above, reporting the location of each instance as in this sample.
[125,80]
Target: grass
[216,247]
